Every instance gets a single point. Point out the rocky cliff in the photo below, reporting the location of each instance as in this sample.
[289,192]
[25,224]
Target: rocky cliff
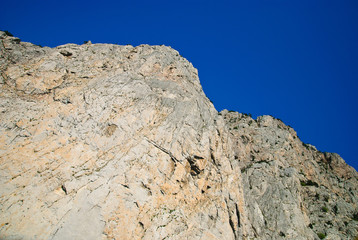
[103,141]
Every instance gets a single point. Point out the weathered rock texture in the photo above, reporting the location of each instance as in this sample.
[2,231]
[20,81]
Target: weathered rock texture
[292,190]
[102,141]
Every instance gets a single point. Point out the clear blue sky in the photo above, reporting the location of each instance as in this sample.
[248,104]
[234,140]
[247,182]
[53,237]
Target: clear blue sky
[296,60]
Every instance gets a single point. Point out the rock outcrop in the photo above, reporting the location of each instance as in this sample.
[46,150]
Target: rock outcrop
[292,190]
[101,141]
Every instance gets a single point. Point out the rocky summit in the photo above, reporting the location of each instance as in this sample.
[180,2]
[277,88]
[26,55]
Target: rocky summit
[101,141]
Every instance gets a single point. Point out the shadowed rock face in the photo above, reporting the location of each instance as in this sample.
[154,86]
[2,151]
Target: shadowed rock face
[101,141]
[292,190]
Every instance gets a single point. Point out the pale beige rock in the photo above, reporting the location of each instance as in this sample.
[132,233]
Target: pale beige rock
[101,141]
[113,142]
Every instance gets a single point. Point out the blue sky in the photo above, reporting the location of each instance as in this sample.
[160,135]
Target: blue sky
[296,60]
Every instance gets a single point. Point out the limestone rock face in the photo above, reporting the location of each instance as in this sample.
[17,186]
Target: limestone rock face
[101,141]
[292,190]
[112,142]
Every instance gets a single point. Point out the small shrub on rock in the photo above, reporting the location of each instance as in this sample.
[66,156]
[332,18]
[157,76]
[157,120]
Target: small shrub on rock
[309,183]
[321,235]
[8,33]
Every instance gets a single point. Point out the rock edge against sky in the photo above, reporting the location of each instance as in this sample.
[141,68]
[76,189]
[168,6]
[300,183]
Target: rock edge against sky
[102,141]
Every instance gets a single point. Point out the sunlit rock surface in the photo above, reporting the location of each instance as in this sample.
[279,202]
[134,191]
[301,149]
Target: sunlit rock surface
[101,141]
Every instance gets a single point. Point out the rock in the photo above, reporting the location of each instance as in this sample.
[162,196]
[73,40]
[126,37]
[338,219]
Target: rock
[101,141]
[299,191]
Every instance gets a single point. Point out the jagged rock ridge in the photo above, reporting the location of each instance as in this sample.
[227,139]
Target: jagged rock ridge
[103,141]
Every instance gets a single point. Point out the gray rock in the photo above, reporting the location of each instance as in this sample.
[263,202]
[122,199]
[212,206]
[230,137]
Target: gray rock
[299,191]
